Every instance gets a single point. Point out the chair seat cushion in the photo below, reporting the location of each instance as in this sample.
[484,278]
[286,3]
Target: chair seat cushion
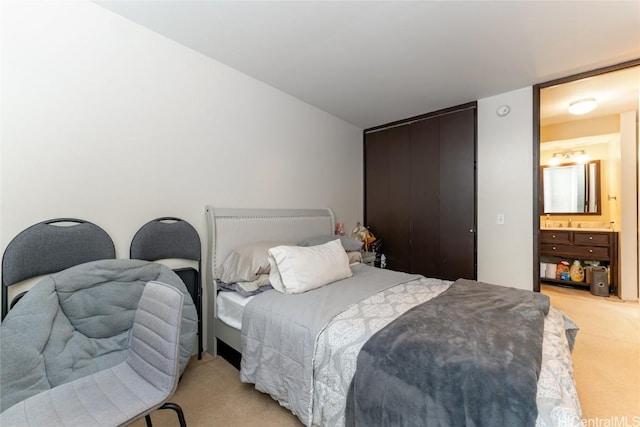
[77,322]
[101,399]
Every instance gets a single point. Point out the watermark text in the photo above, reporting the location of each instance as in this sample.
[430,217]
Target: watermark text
[623,421]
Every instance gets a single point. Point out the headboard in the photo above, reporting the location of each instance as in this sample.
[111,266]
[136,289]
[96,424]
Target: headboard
[230,228]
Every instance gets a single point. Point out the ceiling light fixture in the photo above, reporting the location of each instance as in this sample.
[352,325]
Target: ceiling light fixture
[578,156]
[582,106]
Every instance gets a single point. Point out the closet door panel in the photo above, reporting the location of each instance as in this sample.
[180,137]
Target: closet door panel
[424,210]
[397,240]
[376,189]
[457,195]
[388,213]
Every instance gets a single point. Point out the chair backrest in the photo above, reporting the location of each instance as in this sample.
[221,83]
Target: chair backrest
[154,350]
[51,246]
[164,238]
[173,238]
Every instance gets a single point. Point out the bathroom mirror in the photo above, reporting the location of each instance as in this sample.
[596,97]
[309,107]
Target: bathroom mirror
[571,188]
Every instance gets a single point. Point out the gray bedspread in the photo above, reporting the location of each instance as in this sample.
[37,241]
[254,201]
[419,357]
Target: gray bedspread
[279,334]
[470,356]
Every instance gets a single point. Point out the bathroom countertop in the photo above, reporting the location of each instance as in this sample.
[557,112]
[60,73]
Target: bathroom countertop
[575,229]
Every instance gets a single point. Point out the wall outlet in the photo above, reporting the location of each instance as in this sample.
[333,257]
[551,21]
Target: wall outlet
[500,219]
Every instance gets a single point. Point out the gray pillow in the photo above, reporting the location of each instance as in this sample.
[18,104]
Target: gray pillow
[245,263]
[348,243]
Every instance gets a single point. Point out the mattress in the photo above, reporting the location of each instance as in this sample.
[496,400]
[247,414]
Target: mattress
[230,307]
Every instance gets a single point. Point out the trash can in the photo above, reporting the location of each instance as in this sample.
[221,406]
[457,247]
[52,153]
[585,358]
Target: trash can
[599,282]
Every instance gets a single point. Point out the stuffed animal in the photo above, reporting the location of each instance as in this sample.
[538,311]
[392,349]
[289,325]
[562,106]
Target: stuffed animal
[363,234]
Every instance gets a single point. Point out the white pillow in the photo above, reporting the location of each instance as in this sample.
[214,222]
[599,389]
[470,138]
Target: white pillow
[245,263]
[296,269]
[354,256]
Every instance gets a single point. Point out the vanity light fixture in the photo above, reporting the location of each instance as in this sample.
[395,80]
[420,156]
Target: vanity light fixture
[578,156]
[582,157]
[582,106]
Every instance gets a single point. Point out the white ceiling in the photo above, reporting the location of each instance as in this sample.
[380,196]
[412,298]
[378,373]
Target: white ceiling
[615,92]
[371,63]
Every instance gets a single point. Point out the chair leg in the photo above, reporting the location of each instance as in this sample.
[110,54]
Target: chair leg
[199,339]
[147,418]
[178,409]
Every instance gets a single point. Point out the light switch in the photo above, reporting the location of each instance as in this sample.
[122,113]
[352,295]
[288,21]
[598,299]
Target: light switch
[500,219]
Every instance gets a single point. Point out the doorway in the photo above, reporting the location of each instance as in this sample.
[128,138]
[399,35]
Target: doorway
[608,205]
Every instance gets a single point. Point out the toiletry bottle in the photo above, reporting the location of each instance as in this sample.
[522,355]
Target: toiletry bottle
[562,271]
[576,272]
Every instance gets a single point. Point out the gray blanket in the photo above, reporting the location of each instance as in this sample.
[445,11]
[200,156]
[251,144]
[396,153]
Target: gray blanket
[77,322]
[471,356]
[279,334]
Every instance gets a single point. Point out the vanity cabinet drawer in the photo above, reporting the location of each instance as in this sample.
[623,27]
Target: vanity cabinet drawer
[575,251]
[558,250]
[601,239]
[553,236]
[595,253]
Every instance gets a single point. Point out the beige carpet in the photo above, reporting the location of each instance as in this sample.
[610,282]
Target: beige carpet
[211,394]
[606,360]
[606,357]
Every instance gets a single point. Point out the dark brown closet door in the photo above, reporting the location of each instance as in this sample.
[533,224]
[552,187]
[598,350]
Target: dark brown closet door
[423,203]
[457,195]
[387,154]
[420,193]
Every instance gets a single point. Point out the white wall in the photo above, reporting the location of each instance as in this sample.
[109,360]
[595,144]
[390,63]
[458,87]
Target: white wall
[628,237]
[107,121]
[505,186]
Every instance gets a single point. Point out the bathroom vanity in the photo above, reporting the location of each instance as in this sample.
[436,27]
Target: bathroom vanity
[587,245]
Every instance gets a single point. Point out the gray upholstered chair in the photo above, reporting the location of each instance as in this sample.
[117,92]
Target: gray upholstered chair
[127,391]
[77,321]
[48,247]
[173,238]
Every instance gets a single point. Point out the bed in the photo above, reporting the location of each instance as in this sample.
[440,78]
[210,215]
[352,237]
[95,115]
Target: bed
[313,351]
